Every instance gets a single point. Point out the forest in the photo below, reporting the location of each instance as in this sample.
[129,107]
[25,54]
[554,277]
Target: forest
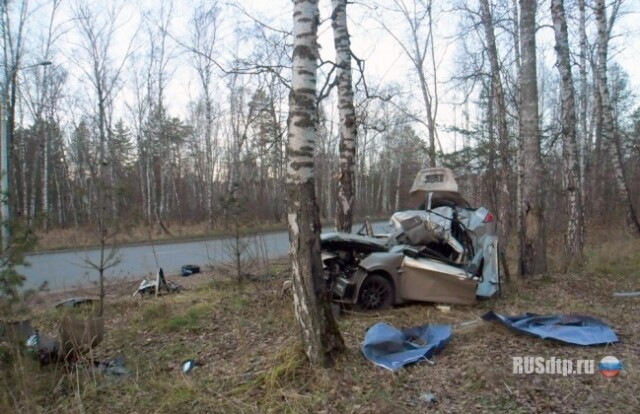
[107,98]
[134,121]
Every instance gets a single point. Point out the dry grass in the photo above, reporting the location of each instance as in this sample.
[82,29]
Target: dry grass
[250,361]
[57,239]
[72,238]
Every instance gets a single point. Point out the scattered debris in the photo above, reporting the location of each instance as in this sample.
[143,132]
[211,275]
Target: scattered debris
[188,365]
[114,367]
[149,287]
[626,294]
[429,398]
[287,286]
[80,335]
[44,348]
[444,308]
[571,329]
[76,302]
[188,270]
[392,348]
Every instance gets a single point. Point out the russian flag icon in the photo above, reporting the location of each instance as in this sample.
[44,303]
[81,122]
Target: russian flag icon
[610,366]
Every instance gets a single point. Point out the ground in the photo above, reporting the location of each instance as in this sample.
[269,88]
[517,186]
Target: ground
[245,342]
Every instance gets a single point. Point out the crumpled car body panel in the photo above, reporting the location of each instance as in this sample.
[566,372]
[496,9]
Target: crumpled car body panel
[392,348]
[572,329]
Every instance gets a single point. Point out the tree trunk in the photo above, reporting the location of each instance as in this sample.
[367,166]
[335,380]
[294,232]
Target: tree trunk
[533,260]
[504,199]
[584,137]
[347,114]
[573,237]
[519,159]
[612,140]
[320,334]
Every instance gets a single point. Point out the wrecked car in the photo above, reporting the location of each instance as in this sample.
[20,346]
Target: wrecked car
[443,251]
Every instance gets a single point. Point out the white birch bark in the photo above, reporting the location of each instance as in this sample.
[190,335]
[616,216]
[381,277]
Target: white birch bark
[611,139]
[584,138]
[571,168]
[347,114]
[320,334]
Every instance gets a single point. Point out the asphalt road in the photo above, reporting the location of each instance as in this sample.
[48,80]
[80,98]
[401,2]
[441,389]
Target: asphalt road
[69,269]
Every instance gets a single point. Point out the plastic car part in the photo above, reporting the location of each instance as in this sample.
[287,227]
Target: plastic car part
[187,366]
[489,218]
[188,270]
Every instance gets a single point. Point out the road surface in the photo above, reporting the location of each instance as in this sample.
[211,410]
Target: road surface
[69,269]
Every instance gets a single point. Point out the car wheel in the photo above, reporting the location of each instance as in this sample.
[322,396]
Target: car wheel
[376,293]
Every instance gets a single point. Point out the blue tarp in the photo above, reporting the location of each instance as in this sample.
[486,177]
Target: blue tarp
[393,348]
[571,329]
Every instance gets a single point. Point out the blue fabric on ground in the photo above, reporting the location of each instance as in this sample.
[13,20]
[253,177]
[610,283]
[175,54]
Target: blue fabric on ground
[571,329]
[392,348]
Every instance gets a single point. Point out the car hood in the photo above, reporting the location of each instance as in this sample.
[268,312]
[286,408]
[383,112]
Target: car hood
[353,238]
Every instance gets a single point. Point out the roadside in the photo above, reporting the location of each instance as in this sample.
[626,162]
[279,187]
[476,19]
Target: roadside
[249,359]
[63,240]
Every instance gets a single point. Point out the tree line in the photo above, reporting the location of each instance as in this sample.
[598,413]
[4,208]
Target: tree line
[102,113]
[94,142]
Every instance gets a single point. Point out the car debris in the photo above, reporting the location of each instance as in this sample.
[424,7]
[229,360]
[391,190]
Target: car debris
[79,335]
[443,251]
[392,348]
[429,398]
[75,302]
[571,329]
[287,287]
[188,270]
[626,294]
[114,367]
[188,366]
[43,348]
[155,287]
[444,308]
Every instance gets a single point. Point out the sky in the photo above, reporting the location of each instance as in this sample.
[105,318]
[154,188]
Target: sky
[385,61]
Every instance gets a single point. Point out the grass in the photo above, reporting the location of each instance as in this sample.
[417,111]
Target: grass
[72,238]
[245,342]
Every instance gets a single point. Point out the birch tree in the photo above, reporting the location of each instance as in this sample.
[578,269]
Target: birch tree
[320,334]
[533,260]
[203,39]
[612,140]
[584,138]
[504,199]
[574,233]
[347,115]
[420,49]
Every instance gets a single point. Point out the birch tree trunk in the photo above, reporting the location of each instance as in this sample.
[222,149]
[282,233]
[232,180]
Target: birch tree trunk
[519,159]
[571,168]
[504,198]
[584,137]
[320,334]
[533,260]
[612,140]
[347,115]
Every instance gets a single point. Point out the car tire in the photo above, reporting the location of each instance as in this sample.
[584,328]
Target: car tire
[376,293]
